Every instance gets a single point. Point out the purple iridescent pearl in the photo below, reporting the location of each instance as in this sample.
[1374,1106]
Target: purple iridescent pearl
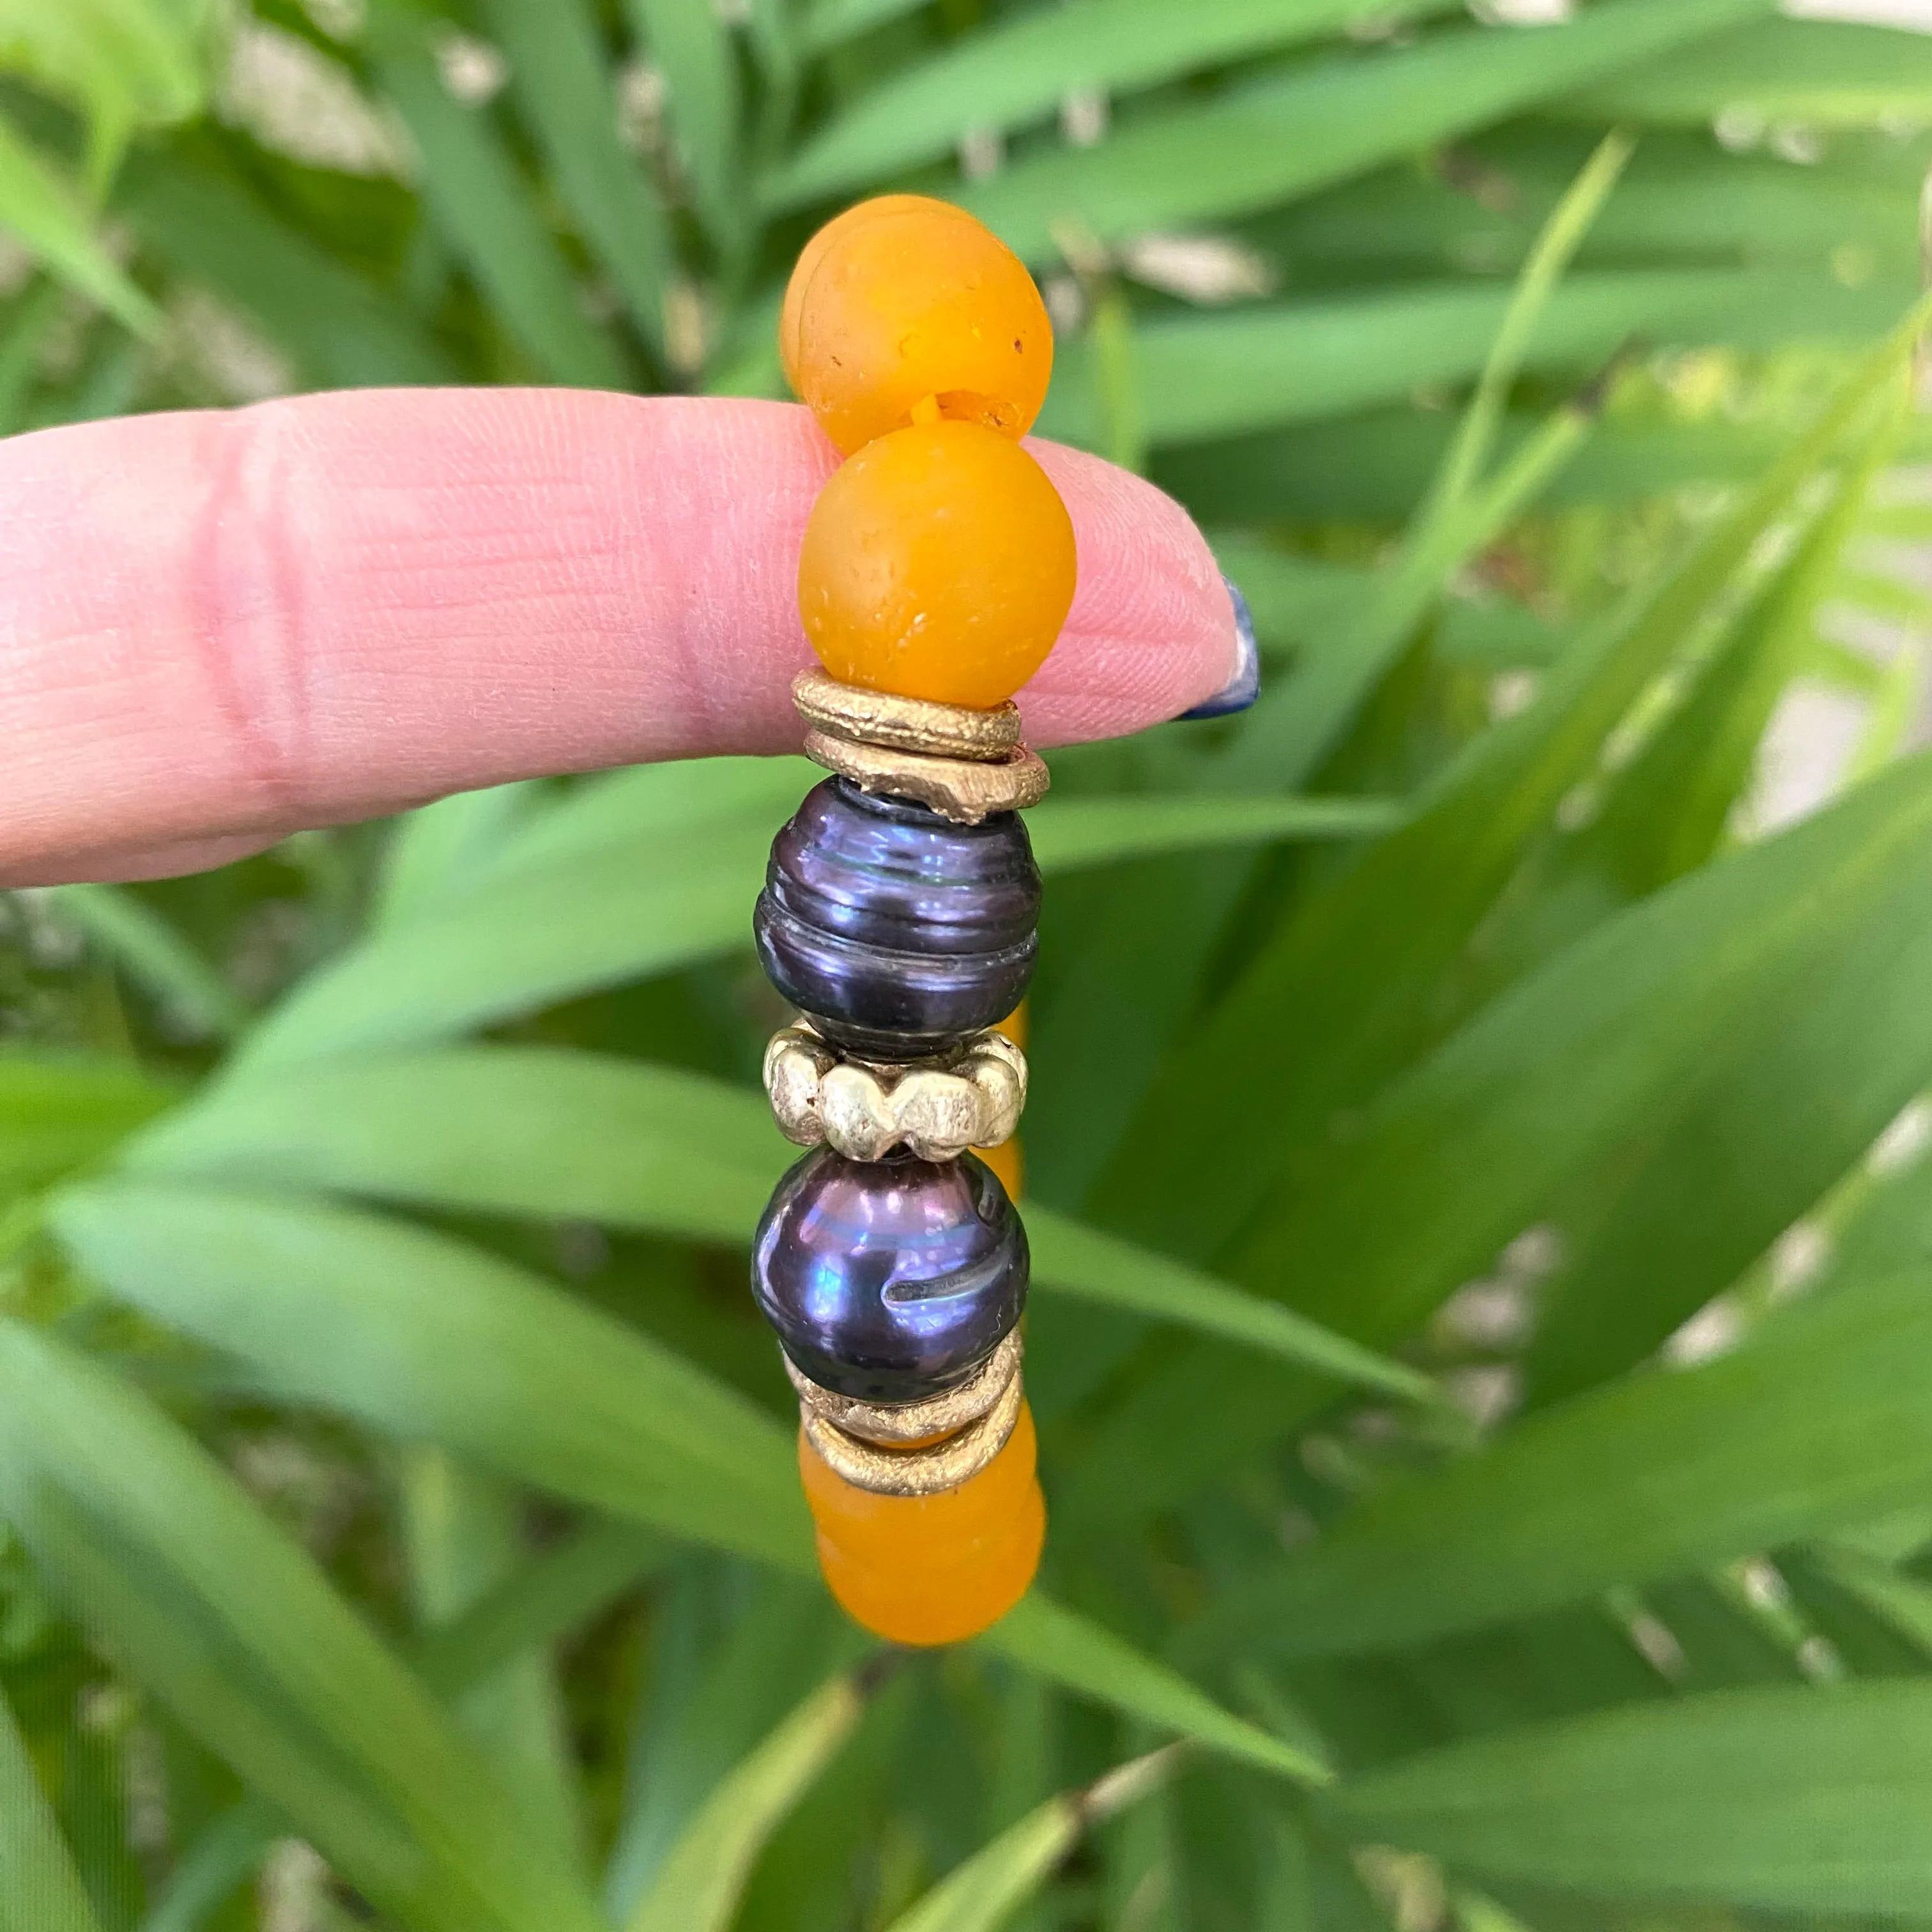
[896,931]
[889,1280]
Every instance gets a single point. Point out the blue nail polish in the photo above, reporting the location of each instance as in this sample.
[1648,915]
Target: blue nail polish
[1245,686]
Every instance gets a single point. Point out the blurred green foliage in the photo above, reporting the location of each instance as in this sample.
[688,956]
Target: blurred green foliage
[1446,1075]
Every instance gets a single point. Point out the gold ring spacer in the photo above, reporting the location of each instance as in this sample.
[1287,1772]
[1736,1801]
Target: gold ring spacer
[896,723]
[917,1472]
[896,1425]
[955,788]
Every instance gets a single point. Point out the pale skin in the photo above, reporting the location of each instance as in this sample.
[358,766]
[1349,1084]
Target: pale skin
[220,627]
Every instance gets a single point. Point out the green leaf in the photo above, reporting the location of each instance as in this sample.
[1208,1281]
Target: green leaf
[157,1550]
[699,1885]
[1353,987]
[476,196]
[338,329]
[1021,70]
[1817,1799]
[1574,1067]
[40,1889]
[153,955]
[1070,1258]
[1820,1420]
[689,41]
[473,1353]
[1822,73]
[58,1113]
[544,1600]
[1264,365]
[1262,143]
[440,850]
[1098,831]
[635,1146]
[985,1892]
[1728,1170]
[1066,1648]
[557,68]
[131,63]
[50,219]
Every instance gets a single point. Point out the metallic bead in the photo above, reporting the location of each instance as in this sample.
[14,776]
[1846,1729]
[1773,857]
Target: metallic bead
[897,933]
[889,1280]
[958,789]
[972,1100]
[905,1425]
[923,1471]
[884,718]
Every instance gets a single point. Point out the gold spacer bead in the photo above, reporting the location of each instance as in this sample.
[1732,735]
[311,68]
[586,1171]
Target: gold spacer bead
[955,788]
[864,1109]
[925,1471]
[897,1425]
[897,724]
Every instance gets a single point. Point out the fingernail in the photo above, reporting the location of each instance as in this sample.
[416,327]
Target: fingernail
[1245,686]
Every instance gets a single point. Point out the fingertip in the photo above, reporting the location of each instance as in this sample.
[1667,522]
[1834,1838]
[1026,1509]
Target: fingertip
[1152,632]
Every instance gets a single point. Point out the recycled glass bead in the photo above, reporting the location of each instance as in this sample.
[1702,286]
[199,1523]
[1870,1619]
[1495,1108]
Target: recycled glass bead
[896,931]
[889,1280]
[939,563]
[931,1570]
[907,308]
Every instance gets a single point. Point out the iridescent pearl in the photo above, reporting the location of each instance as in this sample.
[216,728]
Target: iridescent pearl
[889,1280]
[896,931]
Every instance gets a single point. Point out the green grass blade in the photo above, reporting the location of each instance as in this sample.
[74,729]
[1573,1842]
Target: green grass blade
[698,1887]
[476,196]
[53,222]
[636,1146]
[547,1598]
[689,41]
[154,956]
[59,1112]
[1599,1045]
[1730,1170]
[1060,1644]
[1351,989]
[984,1893]
[557,69]
[1798,1800]
[208,1872]
[1828,74]
[1818,1423]
[1069,1258]
[40,1889]
[1019,70]
[1265,365]
[1555,247]
[440,850]
[1270,141]
[477,1355]
[150,1544]
[337,329]
[1100,831]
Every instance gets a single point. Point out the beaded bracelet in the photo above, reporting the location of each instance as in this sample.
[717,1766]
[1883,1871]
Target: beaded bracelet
[899,915]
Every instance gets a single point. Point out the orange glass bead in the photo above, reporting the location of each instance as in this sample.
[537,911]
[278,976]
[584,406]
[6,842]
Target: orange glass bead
[937,563]
[931,1570]
[1007,1164]
[906,308]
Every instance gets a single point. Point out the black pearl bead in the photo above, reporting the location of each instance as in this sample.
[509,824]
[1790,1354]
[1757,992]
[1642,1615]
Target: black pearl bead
[897,932]
[889,1280]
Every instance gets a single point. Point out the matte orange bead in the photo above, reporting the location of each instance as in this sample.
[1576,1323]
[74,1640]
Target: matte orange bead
[813,252]
[906,309]
[931,1570]
[938,563]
